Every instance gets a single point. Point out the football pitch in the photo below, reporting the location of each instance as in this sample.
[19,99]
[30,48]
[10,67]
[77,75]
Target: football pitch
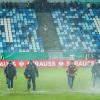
[51,85]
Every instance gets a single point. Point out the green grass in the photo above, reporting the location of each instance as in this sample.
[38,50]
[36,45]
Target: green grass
[54,84]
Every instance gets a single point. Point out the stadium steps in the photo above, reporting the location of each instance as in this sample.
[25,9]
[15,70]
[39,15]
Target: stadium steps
[47,31]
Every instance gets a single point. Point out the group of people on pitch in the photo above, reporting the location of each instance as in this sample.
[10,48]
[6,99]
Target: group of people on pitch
[72,69]
[31,72]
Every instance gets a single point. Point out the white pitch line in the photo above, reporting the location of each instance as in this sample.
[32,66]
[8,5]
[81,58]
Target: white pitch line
[89,91]
[44,92]
[2,93]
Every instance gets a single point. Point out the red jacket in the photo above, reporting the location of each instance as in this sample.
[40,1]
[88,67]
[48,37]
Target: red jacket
[71,70]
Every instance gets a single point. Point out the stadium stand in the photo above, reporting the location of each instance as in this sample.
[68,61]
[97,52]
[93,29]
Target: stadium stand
[72,28]
[78,28]
[15,25]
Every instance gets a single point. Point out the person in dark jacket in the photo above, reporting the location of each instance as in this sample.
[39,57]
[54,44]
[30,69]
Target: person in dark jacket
[71,70]
[96,73]
[30,37]
[31,72]
[10,73]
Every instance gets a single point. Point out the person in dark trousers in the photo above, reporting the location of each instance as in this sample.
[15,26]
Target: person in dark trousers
[96,73]
[31,72]
[10,73]
[71,70]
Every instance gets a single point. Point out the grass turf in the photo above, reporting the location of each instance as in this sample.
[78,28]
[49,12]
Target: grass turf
[51,85]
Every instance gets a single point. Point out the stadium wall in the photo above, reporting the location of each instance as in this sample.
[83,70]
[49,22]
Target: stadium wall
[25,56]
[43,56]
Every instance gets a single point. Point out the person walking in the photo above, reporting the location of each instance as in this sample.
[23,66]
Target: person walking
[10,73]
[31,72]
[96,73]
[71,71]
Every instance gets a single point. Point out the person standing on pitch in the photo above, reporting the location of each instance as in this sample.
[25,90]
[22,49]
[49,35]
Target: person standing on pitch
[10,73]
[31,72]
[96,73]
[71,70]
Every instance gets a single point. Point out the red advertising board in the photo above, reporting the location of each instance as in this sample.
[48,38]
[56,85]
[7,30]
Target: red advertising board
[48,63]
